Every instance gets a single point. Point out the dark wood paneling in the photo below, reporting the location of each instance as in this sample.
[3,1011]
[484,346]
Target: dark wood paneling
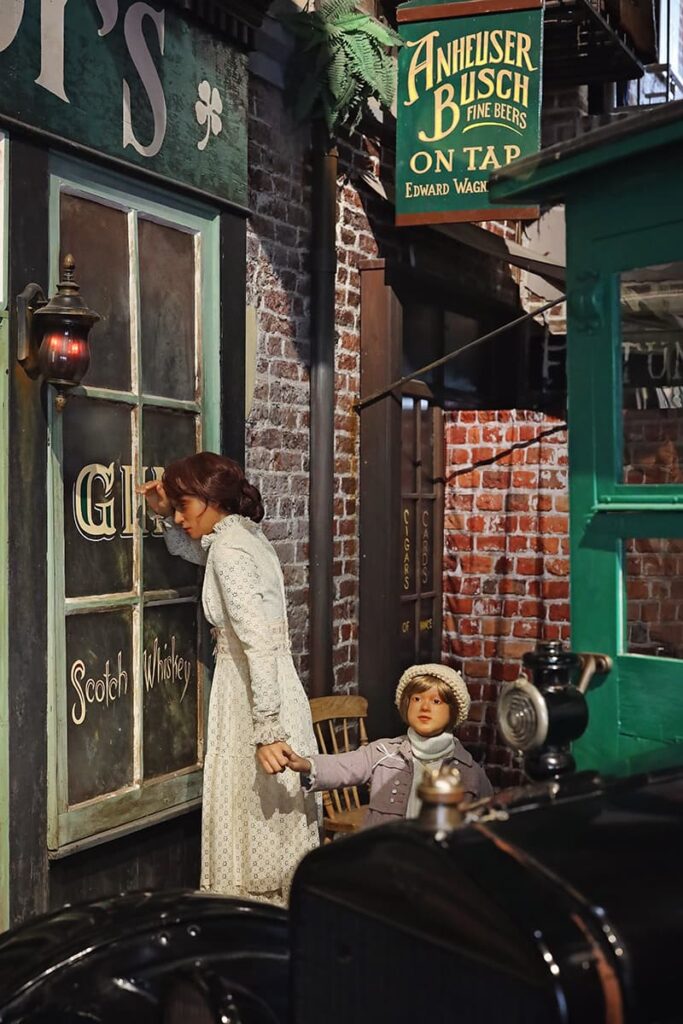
[165,856]
[28,218]
[380,446]
[233,289]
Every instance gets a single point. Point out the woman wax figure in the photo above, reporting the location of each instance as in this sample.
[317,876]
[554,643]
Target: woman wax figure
[256,824]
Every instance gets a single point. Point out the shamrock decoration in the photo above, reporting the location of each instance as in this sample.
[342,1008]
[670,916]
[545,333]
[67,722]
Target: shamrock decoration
[208,109]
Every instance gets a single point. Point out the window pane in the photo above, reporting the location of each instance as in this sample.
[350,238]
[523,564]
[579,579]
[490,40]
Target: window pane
[408,440]
[98,498]
[652,350]
[170,668]
[166,436]
[427,447]
[97,237]
[167,310]
[653,580]
[99,709]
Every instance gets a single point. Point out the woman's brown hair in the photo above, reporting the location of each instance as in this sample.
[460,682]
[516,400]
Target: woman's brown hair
[213,478]
[420,684]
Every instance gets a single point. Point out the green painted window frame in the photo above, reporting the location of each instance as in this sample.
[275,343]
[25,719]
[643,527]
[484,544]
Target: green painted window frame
[4,537]
[71,828]
[637,714]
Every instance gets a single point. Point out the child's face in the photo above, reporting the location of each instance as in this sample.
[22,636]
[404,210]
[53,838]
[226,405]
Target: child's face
[428,713]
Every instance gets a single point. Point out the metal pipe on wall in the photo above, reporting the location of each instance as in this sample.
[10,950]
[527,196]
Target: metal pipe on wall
[321,512]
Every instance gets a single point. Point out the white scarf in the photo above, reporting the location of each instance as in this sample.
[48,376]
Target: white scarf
[427,751]
[431,748]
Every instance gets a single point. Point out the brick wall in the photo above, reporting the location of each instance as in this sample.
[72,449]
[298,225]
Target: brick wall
[506,567]
[278,286]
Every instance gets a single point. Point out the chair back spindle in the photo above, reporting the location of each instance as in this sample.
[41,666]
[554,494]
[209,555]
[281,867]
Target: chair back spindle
[335,720]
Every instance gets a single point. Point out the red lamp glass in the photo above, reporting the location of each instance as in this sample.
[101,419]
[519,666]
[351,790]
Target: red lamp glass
[53,336]
[64,356]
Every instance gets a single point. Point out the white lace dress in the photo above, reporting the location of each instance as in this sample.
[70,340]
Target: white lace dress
[255,827]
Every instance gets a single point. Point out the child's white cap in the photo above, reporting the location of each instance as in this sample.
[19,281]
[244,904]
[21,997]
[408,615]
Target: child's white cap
[453,680]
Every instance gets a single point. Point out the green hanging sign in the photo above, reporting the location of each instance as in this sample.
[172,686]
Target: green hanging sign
[131,80]
[468,102]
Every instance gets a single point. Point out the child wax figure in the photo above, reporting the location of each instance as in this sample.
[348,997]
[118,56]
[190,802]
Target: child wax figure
[432,700]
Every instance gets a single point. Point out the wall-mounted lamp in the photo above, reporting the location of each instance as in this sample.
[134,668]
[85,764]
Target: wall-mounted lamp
[53,336]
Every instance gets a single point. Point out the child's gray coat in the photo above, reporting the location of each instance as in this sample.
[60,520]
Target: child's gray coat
[388,766]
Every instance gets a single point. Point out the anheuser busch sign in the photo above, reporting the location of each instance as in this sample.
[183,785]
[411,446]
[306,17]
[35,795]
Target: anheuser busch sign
[469,100]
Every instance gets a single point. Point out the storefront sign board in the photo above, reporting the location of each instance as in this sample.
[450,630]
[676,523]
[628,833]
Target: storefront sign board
[130,80]
[469,99]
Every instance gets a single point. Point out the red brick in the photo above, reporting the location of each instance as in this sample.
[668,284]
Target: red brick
[490,502]
[523,479]
[477,563]
[514,648]
[490,543]
[555,588]
[455,435]
[495,627]
[496,478]
[527,628]
[559,612]
[529,566]
[466,648]
[511,587]
[478,669]
[517,502]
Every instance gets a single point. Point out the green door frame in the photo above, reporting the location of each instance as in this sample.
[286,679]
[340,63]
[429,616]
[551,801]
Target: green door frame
[621,189]
[71,829]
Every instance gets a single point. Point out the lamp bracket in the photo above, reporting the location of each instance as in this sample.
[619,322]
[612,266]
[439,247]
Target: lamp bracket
[31,299]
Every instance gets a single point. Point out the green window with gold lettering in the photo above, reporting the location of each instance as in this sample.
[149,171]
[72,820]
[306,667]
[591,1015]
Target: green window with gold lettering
[128,665]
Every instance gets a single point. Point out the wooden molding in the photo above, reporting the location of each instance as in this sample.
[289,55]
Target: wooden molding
[454,216]
[464,8]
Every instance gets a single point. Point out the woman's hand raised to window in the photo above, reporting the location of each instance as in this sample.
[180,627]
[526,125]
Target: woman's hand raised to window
[154,494]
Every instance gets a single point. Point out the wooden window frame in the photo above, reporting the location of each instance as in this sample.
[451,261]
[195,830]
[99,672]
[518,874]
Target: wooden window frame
[71,828]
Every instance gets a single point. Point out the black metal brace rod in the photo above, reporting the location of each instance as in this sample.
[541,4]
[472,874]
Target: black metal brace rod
[376,395]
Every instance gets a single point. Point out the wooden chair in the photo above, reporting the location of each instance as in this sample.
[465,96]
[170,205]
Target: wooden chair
[332,718]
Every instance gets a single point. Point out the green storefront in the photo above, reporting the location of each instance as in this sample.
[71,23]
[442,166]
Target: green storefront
[123,141]
[624,211]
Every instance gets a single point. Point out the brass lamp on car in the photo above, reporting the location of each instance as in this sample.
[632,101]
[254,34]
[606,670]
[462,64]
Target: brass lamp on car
[53,335]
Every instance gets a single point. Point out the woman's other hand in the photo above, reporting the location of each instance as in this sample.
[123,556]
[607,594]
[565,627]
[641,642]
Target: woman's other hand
[154,494]
[274,757]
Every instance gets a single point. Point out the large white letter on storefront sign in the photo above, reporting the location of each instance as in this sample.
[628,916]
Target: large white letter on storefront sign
[11,13]
[149,77]
[51,75]
[95,519]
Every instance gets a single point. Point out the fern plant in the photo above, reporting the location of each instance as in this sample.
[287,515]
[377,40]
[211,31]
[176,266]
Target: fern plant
[342,60]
